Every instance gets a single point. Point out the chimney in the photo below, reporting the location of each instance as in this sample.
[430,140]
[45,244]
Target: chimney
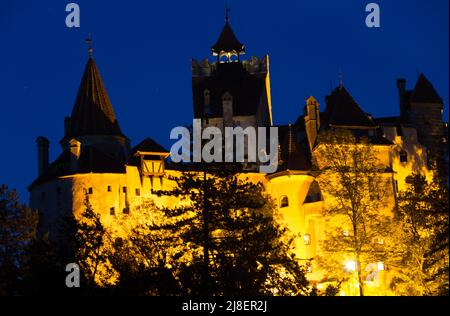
[42,148]
[312,120]
[401,87]
[75,152]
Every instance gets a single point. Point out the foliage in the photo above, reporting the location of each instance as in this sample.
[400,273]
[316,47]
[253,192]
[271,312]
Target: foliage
[355,186]
[18,225]
[234,245]
[423,265]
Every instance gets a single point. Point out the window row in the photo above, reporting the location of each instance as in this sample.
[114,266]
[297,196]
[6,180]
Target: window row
[112,210]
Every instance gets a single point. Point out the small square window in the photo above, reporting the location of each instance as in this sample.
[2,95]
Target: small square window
[124,189]
[307,239]
[109,188]
[112,211]
[138,192]
[90,190]
[126,210]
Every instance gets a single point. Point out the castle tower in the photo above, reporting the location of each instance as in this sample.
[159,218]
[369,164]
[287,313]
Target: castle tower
[423,108]
[93,160]
[231,91]
[93,122]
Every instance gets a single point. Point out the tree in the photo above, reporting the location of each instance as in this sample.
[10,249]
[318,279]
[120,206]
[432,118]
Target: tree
[423,218]
[144,257]
[18,225]
[354,184]
[91,247]
[234,244]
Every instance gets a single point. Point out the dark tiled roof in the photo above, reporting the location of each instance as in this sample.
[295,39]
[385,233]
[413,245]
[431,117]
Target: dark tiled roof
[424,92]
[294,151]
[91,160]
[148,145]
[392,120]
[342,110]
[227,41]
[246,89]
[93,113]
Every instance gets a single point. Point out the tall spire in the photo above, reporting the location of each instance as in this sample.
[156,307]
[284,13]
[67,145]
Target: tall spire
[89,42]
[227,11]
[227,44]
[92,113]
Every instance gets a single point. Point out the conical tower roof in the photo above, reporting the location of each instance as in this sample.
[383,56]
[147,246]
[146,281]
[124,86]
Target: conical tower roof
[227,42]
[93,113]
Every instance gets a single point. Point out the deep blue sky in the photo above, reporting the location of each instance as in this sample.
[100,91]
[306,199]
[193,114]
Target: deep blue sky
[143,50]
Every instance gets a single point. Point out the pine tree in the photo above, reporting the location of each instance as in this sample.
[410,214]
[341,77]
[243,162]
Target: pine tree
[228,226]
[18,225]
[91,247]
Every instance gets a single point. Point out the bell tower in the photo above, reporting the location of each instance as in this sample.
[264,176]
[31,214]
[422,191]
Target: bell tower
[230,91]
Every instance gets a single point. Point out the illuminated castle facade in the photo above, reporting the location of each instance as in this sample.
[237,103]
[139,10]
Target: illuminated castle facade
[97,157]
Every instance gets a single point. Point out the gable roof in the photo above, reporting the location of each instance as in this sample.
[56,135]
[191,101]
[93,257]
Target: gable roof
[342,110]
[424,92]
[148,145]
[93,113]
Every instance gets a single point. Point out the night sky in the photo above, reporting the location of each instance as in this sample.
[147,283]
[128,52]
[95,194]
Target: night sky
[143,50]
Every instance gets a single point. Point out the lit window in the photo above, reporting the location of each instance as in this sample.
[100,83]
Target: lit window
[380,266]
[345,233]
[350,265]
[112,211]
[403,156]
[307,239]
[284,201]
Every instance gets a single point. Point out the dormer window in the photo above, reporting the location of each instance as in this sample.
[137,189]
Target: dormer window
[207,102]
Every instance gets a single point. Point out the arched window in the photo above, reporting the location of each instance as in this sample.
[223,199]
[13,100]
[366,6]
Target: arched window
[207,97]
[403,156]
[284,201]
[207,101]
[314,194]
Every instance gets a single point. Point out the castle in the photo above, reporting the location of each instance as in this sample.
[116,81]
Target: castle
[97,157]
